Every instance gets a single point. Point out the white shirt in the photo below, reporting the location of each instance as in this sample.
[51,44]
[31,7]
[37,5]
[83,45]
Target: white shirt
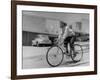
[66,32]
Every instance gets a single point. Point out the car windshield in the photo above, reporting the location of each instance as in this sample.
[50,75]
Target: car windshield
[43,37]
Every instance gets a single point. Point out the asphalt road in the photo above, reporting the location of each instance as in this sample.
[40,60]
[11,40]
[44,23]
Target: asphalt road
[35,57]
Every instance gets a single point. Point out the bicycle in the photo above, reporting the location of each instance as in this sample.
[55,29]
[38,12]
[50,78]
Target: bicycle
[55,54]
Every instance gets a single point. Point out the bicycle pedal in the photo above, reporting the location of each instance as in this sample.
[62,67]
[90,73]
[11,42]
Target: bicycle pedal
[68,55]
[64,52]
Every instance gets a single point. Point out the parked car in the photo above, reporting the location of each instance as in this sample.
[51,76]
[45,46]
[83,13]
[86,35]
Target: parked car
[41,40]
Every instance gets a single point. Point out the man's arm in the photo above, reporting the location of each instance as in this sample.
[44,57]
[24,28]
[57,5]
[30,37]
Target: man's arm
[65,33]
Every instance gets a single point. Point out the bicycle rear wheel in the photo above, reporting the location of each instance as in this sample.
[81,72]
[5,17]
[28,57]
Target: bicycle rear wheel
[54,56]
[76,53]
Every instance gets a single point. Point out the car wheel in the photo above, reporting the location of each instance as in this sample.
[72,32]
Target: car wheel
[37,44]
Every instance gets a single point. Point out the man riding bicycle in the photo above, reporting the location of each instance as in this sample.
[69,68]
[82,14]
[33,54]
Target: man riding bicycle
[67,35]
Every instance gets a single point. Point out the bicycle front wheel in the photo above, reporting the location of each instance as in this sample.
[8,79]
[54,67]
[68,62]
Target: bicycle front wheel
[54,56]
[76,53]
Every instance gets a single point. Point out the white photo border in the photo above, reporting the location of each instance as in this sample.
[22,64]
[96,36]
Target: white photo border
[21,71]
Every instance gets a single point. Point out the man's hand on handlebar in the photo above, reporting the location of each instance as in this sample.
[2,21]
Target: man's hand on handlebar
[59,40]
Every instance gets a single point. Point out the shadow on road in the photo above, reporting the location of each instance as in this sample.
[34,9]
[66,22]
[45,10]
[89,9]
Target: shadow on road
[72,64]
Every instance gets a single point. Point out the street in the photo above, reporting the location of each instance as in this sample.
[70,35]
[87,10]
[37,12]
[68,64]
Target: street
[35,57]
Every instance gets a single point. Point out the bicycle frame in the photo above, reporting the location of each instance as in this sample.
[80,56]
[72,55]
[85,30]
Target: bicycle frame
[61,45]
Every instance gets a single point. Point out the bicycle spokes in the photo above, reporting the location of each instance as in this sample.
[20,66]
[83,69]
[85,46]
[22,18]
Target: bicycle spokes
[54,56]
[77,53]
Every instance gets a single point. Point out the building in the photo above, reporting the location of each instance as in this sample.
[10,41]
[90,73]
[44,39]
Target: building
[48,23]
